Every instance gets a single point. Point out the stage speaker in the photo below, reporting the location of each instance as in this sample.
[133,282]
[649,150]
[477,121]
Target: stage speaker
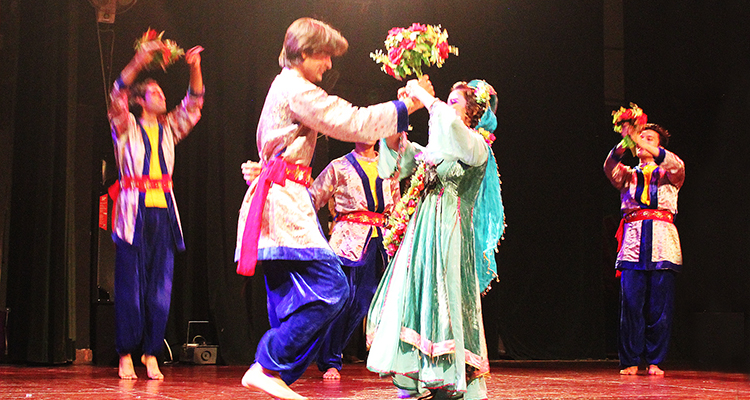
[197,349]
[195,353]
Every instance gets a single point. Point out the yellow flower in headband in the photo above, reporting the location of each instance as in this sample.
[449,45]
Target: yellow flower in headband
[483,92]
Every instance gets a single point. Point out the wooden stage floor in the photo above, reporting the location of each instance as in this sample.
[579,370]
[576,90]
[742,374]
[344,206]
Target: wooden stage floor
[508,380]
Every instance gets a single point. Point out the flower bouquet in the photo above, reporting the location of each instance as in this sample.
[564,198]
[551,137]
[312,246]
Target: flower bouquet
[169,53]
[407,49]
[633,115]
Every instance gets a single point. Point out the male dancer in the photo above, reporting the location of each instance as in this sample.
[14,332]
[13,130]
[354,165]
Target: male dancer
[146,228]
[360,198]
[649,256]
[278,225]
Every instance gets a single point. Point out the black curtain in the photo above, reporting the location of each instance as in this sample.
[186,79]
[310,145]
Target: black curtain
[40,272]
[688,66]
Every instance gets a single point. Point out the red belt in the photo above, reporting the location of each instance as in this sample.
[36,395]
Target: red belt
[363,217]
[640,215]
[275,171]
[142,183]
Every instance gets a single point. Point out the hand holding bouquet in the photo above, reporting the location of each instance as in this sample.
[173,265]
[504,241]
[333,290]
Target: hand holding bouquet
[162,52]
[407,49]
[633,116]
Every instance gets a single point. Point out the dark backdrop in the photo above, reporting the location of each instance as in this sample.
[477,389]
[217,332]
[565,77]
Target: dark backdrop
[556,297]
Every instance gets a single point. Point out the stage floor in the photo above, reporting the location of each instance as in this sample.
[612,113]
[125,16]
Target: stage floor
[508,380]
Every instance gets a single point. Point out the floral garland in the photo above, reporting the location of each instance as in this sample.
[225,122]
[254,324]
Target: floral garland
[488,136]
[161,59]
[398,220]
[633,115]
[408,48]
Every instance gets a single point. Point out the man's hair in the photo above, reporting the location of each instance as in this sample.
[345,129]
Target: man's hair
[310,36]
[663,133]
[474,110]
[138,91]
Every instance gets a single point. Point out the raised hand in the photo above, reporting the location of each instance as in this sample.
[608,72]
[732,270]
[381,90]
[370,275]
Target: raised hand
[426,84]
[193,56]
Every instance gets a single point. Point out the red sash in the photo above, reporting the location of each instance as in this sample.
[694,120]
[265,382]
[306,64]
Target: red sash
[363,217]
[142,183]
[640,215]
[275,171]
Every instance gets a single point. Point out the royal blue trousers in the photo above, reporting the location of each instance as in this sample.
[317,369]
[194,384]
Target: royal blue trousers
[304,297]
[143,284]
[363,282]
[646,308]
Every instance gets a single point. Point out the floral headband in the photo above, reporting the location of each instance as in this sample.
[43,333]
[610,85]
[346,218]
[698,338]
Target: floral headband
[483,92]
[486,96]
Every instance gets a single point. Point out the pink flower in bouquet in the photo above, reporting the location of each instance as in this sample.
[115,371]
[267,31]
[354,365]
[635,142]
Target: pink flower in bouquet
[394,55]
[415,27]
[443,49]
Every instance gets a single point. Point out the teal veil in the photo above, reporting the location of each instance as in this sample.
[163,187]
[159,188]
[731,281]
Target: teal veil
[489,213]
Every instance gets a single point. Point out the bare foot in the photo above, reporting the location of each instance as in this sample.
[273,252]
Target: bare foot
[629,370]
[126,370]
[269,382]
[654,369]
[332,373]
[152,367]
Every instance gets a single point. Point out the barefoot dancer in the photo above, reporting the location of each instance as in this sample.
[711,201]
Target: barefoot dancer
[360,198]
[278,225]
[649,256]
[146,228]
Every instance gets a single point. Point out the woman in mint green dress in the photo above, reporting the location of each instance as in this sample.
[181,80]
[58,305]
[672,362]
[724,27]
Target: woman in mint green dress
[424,325]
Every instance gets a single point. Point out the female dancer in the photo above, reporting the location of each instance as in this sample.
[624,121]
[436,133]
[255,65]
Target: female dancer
[425,323]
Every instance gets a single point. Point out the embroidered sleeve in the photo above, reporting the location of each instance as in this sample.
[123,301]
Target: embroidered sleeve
[673,167]
[388,158]
[184,117]
[616,172]
[323,187]
[118,112]
[339,119]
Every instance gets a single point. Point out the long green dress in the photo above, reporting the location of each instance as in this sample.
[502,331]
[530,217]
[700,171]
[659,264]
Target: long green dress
[425,325]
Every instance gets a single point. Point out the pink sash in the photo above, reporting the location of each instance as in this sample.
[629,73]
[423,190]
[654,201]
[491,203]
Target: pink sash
[275,171]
